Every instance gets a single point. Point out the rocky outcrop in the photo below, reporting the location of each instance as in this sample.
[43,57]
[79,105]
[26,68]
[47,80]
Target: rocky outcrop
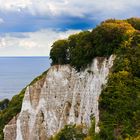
[10,129]
[63,96]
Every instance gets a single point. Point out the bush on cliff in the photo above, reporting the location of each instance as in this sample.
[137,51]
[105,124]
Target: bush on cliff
[135,22]
[59,52]
[109,36]
[70,132]
[80,49]
[120,100]
[3,104]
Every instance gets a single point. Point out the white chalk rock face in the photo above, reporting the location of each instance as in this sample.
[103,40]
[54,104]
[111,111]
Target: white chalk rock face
[62,97]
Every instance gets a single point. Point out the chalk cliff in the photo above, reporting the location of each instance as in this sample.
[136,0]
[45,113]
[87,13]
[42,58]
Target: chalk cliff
[63,96]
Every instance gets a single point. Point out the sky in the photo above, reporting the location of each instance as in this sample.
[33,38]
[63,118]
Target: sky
[29,27]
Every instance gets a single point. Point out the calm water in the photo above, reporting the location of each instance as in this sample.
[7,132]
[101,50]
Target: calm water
[17,72]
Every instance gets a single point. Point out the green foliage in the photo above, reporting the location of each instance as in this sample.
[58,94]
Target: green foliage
[3,104]
[135,22]
[91,134]
[136,39]
[73,132]
[59,52]
[110,35]
[80,49]
[120,100]
[70,132]
[76,50]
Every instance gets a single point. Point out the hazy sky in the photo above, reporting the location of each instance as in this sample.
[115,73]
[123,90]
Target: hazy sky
[29,27]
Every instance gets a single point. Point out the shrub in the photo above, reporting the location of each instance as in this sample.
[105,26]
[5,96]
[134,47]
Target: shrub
[80,49]
[119,102]
[59,52]
[109,36]
[135,22]
[70,132]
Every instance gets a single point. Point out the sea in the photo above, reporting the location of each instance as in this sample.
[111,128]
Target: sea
[17,72]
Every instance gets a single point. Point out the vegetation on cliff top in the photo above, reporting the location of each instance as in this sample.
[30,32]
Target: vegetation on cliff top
[80,49]
[119,102]
[73,132]
[3,104]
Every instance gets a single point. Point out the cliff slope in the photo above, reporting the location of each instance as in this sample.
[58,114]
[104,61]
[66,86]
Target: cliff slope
[63,97]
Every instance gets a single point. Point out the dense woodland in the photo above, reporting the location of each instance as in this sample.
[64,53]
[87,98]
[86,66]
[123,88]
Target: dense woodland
[119,102]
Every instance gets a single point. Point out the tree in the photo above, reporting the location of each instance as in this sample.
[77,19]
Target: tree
[135,22]
[59,52]
[82,51]
[109,36]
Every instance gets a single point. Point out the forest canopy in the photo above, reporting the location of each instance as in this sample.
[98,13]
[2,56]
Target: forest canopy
[107,38]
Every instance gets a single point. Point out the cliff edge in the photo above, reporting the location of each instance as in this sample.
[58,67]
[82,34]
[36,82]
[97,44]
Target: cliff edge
[64,96]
